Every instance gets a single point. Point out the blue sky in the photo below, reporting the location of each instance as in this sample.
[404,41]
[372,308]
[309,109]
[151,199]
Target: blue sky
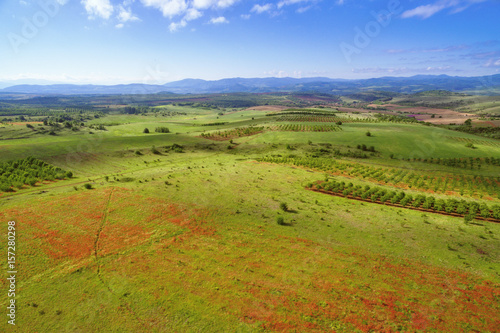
[158,41]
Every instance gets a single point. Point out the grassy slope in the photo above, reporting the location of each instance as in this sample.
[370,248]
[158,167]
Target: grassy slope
[205,253]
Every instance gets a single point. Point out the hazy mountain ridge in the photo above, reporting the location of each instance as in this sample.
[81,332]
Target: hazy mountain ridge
[483,84]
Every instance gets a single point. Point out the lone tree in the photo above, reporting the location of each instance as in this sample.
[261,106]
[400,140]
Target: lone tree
[368,133]
[146,130]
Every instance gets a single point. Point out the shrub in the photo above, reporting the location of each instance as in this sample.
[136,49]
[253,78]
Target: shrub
[146,130]
[284,206]
[368,133]
[280,220]
[88,186]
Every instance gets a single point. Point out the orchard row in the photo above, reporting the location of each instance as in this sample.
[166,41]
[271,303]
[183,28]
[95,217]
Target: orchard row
[445,183]
[471,209]
[232,133]
[306,128]
[464,162]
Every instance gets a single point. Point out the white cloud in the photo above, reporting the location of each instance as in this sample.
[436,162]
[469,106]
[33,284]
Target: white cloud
[246,16]
[173,27]
[426,11]
[225,3]
[192,14]
[423,11]
[219,20]
[204,4]
[169,8]
[291,2]
[492,63]
[259,9]
[125,15]
[119,25]
[98,8]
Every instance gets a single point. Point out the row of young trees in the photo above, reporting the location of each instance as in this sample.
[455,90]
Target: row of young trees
[471,209]
[461,162]
[28,171]
[233,133]
[306,128]
[419,180]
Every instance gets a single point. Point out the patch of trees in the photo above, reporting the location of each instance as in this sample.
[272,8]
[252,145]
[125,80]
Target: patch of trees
[214,124]
[162,130]
[28,171]
[363,147]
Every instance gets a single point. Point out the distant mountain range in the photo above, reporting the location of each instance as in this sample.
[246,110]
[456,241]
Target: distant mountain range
[489,85]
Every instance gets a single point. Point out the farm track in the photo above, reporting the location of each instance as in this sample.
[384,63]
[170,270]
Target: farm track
[96,256]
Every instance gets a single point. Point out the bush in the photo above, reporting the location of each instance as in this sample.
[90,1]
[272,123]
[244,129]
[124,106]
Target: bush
[284,206]
[368,133]
[280,220]
[146,130]
[88,186]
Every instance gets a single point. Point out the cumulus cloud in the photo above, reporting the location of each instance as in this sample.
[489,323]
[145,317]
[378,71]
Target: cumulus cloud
[169,8]
[192,14]
[219,20]
[205,4]
[426,11]
[125,15]
[174,26]
[259,9]
[291,2]
[98,8]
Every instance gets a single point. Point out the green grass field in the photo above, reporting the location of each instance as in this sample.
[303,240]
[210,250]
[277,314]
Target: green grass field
[187,240]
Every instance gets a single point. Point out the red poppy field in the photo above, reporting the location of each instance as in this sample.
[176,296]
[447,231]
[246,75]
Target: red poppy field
[163,264]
